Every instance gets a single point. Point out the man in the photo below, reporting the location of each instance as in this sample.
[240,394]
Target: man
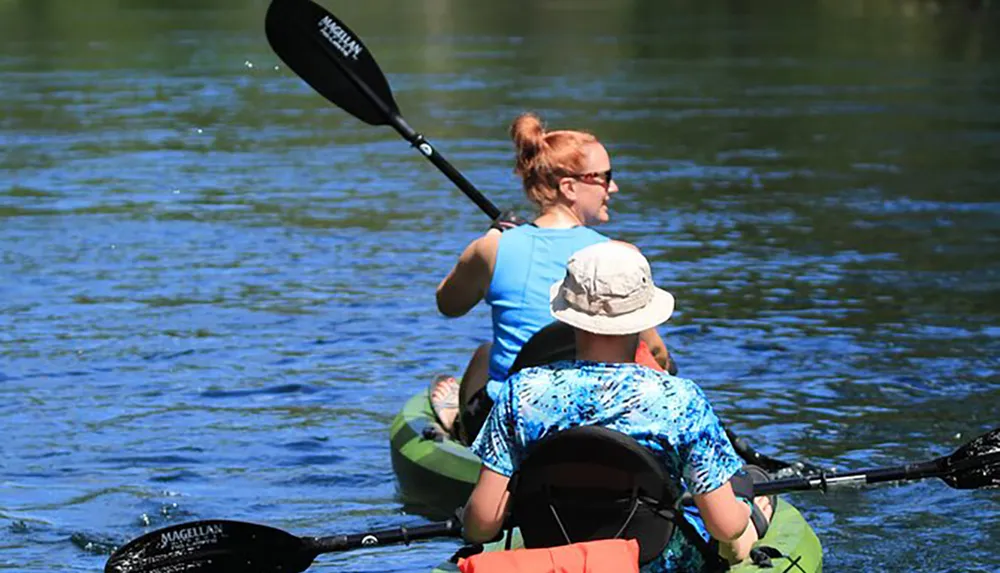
[608,296]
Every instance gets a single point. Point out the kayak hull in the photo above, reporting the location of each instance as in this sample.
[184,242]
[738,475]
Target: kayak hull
[436,475]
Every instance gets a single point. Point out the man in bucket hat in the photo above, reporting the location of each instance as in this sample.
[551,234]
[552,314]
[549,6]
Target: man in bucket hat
[608,296]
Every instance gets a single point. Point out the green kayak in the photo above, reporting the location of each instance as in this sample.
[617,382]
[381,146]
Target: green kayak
[437,474]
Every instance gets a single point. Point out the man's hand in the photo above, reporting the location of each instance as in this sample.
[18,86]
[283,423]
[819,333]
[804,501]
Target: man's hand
[507,220]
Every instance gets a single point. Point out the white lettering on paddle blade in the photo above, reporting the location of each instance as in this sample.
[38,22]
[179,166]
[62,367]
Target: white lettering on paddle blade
[191,536]
[339,38]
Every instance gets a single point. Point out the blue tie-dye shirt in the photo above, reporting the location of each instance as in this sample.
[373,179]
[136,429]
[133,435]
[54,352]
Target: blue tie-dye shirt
[668,415]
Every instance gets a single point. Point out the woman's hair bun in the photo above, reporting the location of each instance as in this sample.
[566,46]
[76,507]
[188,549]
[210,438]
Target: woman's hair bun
[528,135]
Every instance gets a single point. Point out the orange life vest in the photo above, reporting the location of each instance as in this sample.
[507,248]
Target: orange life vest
[604,556]
[645,357]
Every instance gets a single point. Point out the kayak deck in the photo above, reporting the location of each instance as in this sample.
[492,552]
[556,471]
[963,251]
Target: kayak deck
[438,474]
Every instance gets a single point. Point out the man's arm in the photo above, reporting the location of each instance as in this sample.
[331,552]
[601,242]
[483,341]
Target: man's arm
[486,509]
[725,516]
[728,520]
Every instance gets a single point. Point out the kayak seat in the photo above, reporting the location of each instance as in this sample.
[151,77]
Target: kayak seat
[556,341]
[588,483]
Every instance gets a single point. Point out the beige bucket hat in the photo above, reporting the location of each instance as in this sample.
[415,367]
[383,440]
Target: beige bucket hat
[608,289]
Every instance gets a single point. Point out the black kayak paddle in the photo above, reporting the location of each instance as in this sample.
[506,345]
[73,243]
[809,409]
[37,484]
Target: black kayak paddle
[975,465]
[331,58]
[224,546]
[221,546]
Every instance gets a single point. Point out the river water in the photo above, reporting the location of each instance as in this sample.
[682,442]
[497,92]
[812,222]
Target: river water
[216,288]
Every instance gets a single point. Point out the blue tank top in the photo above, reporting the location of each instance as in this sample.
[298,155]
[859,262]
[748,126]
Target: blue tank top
[529,261]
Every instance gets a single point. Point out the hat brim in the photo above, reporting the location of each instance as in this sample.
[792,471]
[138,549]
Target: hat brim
[655,313]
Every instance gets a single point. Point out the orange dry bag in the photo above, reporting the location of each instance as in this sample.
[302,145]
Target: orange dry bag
[604,556]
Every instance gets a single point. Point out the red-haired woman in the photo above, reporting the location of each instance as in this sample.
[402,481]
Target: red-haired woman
[567,175]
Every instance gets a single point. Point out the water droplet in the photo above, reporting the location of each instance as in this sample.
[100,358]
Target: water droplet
[248,63]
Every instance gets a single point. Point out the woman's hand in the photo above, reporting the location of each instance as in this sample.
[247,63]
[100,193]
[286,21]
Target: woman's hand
[507,220]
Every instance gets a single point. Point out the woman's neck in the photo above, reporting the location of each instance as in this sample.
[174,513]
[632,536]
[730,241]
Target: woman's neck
[559,216]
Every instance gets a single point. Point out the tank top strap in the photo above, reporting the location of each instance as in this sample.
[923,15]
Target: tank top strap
[529,261]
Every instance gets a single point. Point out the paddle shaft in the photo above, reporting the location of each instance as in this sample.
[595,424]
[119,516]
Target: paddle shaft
[824,481]
[416,139]
[449,528]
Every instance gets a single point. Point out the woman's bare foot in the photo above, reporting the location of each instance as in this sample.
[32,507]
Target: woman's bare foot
[444,401]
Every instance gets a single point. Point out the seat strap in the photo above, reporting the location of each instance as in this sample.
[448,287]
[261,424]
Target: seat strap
[562,528]
[631,513]
[709,551]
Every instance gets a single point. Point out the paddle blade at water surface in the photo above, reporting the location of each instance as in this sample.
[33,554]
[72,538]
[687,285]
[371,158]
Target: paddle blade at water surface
[331,58]
[976,465]
[214,546]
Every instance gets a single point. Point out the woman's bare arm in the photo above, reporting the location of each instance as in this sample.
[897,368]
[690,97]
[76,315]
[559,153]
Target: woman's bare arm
[469,279]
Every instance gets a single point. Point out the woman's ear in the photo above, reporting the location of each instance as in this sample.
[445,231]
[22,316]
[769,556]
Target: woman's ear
[567,188]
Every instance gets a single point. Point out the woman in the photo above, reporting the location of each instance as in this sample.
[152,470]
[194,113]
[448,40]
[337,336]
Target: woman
[567,175]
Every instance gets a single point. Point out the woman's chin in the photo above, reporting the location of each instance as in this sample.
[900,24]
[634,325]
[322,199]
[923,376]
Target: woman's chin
[598,220]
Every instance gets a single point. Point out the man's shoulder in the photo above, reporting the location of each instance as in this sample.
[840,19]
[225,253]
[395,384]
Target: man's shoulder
[581,369]
[676,389]
[568,371]
[543,371]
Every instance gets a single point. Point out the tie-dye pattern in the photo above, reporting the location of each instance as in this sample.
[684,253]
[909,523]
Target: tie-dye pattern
[668,415]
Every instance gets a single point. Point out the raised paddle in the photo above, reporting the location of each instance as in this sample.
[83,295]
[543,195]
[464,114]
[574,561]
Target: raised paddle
[222,546]
[331,58]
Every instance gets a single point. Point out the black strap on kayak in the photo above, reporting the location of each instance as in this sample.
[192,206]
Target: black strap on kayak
[466,551]
[763,555]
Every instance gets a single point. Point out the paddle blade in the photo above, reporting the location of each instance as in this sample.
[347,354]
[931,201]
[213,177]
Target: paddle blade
[212,547]
[330,58]
[975,465]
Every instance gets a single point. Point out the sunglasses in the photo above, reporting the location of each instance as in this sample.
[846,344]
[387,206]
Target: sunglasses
[602,178]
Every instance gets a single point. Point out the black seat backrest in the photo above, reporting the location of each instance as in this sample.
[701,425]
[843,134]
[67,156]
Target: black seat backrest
[588,483]
[556,341]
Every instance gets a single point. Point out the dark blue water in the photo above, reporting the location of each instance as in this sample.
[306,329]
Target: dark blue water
[216,289]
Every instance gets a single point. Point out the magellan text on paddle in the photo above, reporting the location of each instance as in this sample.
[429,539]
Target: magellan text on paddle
[199,534]
[339,38]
